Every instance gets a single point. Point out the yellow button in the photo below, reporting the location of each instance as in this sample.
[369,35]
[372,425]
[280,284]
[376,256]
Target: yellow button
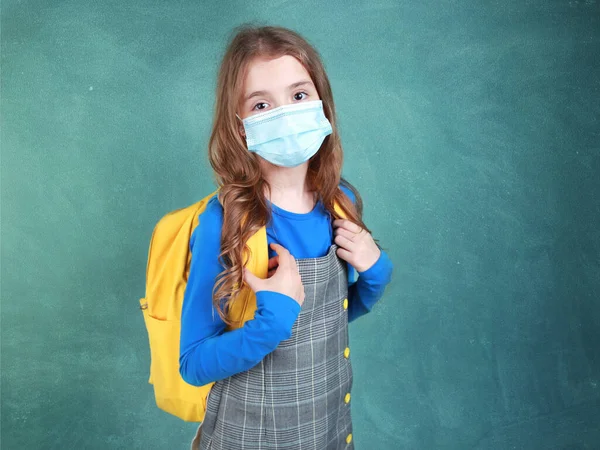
[345,303]
[347,398]
[347,352]
[349,438]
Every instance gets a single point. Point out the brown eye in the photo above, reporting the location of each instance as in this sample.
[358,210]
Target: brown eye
[257,106]
[299,96]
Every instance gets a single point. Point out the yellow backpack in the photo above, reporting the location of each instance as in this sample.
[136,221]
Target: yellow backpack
[167,273]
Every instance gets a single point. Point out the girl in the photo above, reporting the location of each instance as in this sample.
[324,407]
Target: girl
[283,379]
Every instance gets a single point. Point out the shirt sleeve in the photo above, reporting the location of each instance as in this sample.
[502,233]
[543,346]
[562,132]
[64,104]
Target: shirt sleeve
[370,285]
[208,352]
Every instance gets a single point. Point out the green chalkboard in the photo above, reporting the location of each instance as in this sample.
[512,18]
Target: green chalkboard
[472,131]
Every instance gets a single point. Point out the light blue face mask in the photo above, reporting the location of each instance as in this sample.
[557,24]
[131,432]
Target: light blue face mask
[288,135]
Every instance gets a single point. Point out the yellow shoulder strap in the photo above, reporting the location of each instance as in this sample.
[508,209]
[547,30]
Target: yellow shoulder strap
[338,209]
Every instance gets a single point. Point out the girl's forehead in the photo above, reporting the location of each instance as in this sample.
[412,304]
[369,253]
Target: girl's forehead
[271,73]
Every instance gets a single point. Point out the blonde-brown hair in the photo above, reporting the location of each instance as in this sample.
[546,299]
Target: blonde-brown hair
[237,171]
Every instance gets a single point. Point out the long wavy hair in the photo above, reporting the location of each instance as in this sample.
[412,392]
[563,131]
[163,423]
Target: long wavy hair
[238,171]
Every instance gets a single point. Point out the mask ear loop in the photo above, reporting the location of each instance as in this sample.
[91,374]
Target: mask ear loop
[241,120]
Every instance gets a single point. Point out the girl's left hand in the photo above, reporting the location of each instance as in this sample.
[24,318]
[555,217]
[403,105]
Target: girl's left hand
[356,246]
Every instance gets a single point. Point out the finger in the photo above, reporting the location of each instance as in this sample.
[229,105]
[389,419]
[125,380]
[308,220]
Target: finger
[348,225]
[279,249]
[285,258]
[301,294]
[347,234]
[300,289]
[344,242]
[293,263]
[252,281]
[273,262]
[343,253]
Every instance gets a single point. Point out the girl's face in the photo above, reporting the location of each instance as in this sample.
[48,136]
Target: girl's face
[275,82]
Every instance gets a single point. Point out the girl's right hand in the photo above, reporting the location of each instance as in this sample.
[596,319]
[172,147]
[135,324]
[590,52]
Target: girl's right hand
[285,279]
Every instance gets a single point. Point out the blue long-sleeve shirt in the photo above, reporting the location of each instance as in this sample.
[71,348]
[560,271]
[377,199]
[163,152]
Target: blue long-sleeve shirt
[207,351]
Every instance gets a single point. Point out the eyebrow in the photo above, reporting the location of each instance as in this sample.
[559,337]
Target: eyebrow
[290,87]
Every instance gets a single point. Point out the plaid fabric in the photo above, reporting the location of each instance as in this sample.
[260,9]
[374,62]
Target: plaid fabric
[295,398]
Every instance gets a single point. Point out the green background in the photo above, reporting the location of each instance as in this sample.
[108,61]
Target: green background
[470,128]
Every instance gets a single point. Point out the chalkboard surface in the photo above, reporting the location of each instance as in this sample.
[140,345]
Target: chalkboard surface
[472,130]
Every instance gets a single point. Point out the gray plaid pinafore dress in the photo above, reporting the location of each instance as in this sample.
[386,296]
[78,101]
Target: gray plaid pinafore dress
[298,396]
